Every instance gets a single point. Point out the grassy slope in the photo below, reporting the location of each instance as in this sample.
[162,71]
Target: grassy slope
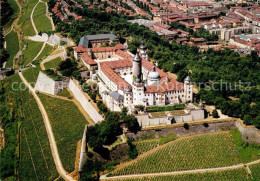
[12,47]
[234,175]
[45,52]
[31,51]
[67,124]
[205,151]
[24,20]
[41,21]
[53,63]
[15,8]
[31,74]
[32,125]
[248,152]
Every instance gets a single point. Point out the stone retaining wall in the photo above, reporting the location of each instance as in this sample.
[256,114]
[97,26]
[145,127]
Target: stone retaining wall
[249,133]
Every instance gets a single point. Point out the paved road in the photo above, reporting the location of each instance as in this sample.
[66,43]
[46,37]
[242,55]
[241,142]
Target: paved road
[54,149]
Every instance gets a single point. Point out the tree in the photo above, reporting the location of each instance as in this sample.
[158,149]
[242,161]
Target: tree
[215,113]
[131,123]
[186,126]
[248,120]
[132,151]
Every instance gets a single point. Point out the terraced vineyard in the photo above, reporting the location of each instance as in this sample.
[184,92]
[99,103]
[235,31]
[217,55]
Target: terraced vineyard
[67,125]
[35,157]
[203,151]
[41,21]
[231,175]
[255,169]
[32,49]
[144,146]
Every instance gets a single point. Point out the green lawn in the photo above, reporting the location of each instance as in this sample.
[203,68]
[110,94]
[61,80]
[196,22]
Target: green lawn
[53,63]
[45,52]
[35,161]
[31,74]
[67,124]
[12,47]
[248,152]
[165,108]
[204,151]
[231,175]
[41,21]
[32,49]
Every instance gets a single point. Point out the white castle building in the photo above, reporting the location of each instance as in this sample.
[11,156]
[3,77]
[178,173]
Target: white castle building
[127,80]
[136,81]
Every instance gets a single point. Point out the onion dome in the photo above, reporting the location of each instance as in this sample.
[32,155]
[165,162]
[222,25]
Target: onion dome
[154,74]
[187,79]
[127,90]
[137,58]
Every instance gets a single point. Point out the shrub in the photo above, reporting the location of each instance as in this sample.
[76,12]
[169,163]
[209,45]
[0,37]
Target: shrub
[132,151]
[206,125]
[215,114]
[186,126]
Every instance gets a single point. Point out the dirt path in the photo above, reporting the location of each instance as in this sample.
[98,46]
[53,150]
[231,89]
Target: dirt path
[43,46]
[31,17]
[65,175]
[50,18]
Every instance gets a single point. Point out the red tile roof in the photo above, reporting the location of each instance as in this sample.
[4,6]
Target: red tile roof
[119,81]
[88,59]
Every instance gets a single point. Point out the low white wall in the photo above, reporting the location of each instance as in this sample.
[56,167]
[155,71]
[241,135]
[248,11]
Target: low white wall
[45,84]
[79,95]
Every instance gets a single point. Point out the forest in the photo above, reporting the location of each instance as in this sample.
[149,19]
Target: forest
[210,70]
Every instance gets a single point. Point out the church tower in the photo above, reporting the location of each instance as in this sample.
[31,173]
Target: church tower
[143,51]
[137,68]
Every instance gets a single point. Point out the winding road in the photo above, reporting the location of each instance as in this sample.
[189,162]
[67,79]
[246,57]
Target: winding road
[65,175]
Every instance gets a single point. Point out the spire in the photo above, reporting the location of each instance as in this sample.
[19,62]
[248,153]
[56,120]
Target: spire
[137,58]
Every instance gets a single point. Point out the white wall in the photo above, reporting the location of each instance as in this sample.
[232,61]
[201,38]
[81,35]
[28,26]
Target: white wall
[79,95]
[45,84]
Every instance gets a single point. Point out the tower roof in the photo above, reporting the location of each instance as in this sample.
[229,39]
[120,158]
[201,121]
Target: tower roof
[142,46]
[154,74]
[137,58]
[188,79]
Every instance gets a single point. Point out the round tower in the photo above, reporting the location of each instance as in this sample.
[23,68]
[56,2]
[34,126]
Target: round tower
[137,68]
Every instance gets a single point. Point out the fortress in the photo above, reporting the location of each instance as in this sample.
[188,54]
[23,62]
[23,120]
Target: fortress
[127,80]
